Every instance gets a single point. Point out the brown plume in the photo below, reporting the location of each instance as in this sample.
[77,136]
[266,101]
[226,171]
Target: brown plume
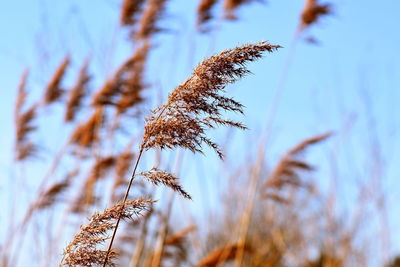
[204,12]
[99,170]
[197,104]
[21,94]
[77,93]
[124,89]
[230,7]
[83,249]
[50,195]
[313,11]
[287,170]
[132,85]
[129,11]
[54,91]
[24,122]
[24,125]
[220,255]
[87,133]
[148,23]
[157,177]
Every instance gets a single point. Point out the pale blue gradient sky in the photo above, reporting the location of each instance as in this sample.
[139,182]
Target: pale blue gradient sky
[350,78]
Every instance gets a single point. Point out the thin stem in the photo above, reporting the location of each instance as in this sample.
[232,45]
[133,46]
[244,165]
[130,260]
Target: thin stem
[123,205]
[127,193]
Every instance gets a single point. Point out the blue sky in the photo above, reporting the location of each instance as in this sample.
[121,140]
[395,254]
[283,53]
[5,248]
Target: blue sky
[346,83]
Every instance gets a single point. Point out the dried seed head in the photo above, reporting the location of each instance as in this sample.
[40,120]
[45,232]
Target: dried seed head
[21,94]
[132,84]
[87,133]
[204,12]
[50,195]
[220,255]
[287,170]
[230,6]
[124,89]
[24,126]
[179,236]
[148,23]
[197,104]
[53,91]
[157,177]
[99,170]
[78,92]
[130,9]
[83,249]
[313,11]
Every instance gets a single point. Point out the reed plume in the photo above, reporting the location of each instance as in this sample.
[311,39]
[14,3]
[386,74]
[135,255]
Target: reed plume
[84,248]
[148,22]
[24,125]
[129,11]
[178,237]
[87,133]
[287,170]
[191,109]
[78,92]
[204,12]
[51,194]
[220,255]
[54,91]
[156,177]
[312,12]
[21,94]
[124,89]
[197,104]
[231,5]
[132,85]
[99,170]
[24,122]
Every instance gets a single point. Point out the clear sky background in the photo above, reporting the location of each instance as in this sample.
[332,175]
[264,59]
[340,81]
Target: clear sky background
[349,82]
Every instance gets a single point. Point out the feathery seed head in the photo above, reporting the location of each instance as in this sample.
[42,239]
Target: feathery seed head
[197,104]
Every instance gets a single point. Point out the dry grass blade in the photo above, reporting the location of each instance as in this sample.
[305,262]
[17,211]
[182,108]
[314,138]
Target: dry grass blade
[287,169]
[204,11]
[83,249]
[157,177]
[312,12]
[86,134]
[53,91]
[197,104]
[129,11]
[148,22]
[78,92]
